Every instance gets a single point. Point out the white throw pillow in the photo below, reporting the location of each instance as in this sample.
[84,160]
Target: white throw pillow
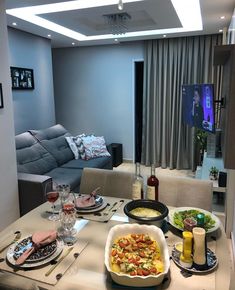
[73,146]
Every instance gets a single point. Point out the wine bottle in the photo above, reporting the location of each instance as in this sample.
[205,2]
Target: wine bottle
[137,186]
[152,185]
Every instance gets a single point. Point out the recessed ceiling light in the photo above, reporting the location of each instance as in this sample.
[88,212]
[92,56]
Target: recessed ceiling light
[116,40]
[221,30]
[14,23]
[188,11]
[222,17]
[164,35]
[73,43]
[48,35]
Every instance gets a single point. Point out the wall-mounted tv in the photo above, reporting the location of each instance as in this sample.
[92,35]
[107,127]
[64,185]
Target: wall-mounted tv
[198,106]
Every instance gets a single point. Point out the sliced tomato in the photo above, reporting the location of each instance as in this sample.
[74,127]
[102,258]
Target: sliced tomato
[139,272]
[142,254]
[153,270]
[146,272]
[133,273]
[114,252]
[121,255]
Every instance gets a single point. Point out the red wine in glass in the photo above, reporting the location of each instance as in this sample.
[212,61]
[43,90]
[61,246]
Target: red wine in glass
[52,196]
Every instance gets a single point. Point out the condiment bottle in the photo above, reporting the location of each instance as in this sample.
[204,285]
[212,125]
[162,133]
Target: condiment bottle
[200,220]
[138,184]
[186,255]
[152,185]
[199,249]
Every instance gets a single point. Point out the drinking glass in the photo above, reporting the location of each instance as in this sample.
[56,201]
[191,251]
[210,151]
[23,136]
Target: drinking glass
[64,193]
[52,196]
[68,220]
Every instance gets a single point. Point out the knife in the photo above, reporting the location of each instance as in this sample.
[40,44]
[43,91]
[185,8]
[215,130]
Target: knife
[58,262]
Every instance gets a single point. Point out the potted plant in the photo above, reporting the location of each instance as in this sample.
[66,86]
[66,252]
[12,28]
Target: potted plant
[214,173]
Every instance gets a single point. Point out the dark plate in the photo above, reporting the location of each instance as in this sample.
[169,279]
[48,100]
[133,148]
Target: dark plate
[40,254]
[212,262]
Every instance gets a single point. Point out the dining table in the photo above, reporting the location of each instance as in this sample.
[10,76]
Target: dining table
[82,267]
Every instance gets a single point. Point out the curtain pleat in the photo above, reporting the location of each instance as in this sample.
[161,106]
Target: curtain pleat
[169,63]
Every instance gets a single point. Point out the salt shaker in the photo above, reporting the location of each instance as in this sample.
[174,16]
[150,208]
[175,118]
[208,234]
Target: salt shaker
[199,249]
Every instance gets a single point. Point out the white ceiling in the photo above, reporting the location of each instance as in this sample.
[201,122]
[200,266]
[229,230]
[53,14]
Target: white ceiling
[145,16]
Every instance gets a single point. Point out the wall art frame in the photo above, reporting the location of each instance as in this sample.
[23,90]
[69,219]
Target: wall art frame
[1,97]
[22,78]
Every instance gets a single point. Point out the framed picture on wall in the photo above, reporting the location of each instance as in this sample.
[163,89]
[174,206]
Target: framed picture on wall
[1,97]
[22,78]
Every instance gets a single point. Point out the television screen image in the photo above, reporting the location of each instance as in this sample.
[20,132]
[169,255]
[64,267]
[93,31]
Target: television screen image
[198,106]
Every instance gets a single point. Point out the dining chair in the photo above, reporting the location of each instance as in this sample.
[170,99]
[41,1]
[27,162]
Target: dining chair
[185,191]
[111,182]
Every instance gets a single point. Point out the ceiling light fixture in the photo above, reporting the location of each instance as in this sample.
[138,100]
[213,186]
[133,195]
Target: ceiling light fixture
[14,23]
[164,35]
[73,43]
[117,22]
[188,11]
[221,30]
[48,35]
[120,5]
[222,17]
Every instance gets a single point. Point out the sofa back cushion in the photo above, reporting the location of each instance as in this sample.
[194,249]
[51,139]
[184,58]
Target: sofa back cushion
[32,157]
[53,140]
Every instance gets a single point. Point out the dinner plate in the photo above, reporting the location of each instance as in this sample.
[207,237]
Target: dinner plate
[98,202]
[39,255]
[34,263]
[92,210]
[212,262]
[178,209]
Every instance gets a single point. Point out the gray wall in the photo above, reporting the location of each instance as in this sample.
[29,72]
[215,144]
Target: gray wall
[33,109]
[9,205]
[94,89]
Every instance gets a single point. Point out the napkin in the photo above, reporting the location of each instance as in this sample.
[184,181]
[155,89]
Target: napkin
[39,239]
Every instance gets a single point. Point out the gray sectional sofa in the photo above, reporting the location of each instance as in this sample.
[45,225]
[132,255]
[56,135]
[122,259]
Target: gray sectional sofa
[43,156]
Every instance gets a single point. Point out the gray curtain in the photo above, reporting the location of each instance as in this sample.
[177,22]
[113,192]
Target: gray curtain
[169,63]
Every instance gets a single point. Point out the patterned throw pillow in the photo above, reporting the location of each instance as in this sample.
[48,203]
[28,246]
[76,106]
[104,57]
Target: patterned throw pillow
[79,144]
[73,146]
[76,145]
[94,147]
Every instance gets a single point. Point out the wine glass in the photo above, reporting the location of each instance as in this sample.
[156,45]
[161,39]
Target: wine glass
[64,192]
[68,220]
[52,195]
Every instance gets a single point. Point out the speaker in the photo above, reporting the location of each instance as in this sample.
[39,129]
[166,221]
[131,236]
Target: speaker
[222,181]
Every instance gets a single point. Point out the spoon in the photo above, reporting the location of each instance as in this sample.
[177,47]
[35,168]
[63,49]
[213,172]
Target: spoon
[17,237]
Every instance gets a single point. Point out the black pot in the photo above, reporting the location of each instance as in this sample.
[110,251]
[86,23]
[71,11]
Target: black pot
[153,204]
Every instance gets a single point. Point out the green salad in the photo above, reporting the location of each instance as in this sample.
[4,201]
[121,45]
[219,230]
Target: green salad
[179,217]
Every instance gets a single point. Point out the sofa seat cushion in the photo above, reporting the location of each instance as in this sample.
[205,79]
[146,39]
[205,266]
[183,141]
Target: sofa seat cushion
[100,162]
[32,157]
[69,176]
[53,140]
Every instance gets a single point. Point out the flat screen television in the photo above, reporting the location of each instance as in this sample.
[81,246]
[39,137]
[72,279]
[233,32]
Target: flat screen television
[198,106]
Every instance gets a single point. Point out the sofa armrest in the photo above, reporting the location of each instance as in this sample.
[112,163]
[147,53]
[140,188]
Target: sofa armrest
[32,190]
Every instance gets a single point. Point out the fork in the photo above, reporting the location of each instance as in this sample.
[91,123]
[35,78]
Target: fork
[17,237]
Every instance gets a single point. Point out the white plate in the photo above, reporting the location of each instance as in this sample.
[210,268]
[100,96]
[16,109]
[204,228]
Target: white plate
[11,259]
[92,210]
[173,211]
[137,281]
[98,202]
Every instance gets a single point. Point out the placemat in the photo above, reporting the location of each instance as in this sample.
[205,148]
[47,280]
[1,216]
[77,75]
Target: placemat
[38,273]
[113,204]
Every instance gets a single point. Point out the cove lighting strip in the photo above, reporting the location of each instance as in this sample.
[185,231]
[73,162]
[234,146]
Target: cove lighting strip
[188,11]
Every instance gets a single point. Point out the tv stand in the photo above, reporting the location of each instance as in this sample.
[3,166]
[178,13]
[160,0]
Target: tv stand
[203,171]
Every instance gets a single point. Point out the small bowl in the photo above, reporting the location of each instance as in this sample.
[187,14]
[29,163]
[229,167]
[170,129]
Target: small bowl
[153,204]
